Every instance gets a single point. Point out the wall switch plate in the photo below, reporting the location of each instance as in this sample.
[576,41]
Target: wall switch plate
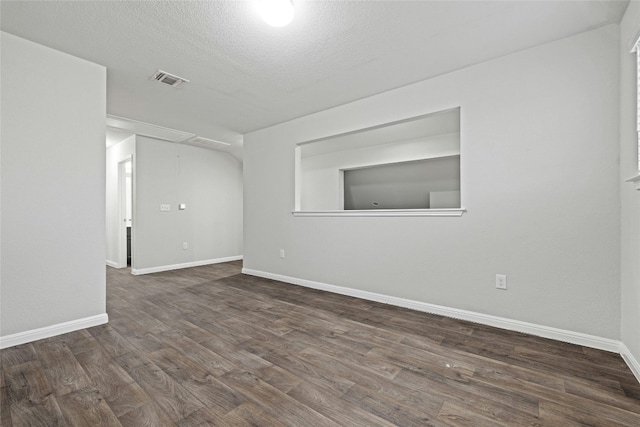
[501,281]
[281,253]
[165,207]
[185,245]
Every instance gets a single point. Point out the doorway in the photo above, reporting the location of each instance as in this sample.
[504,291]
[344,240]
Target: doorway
[125,208]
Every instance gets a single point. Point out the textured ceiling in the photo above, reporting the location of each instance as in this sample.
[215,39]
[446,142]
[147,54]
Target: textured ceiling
[245,75]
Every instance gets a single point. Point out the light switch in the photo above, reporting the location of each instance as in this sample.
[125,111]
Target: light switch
[182,206]
[165,207]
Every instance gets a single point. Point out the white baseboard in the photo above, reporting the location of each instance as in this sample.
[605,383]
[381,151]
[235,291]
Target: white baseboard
[631,361]
[139,271]
[53,330]
[112,264]
[485,319]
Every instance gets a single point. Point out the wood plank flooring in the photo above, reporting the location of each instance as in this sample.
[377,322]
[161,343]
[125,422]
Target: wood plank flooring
[208,346]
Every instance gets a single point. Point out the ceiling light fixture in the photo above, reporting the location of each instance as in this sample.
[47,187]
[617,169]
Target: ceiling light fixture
[276,13]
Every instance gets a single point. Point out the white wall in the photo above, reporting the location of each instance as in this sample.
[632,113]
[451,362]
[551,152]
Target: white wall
[52,188]
[115,155]
[540,181]
[629,29]
[320,184]
[208,182]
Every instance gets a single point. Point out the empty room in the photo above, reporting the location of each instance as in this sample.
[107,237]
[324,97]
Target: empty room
[320,213]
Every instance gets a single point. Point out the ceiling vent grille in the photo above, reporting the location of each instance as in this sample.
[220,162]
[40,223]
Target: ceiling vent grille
[168,78]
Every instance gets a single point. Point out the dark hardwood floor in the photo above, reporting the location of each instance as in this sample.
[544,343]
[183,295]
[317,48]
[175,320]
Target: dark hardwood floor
[210,346]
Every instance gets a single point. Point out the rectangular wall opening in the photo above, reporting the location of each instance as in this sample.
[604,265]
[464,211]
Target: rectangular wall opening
[411,164]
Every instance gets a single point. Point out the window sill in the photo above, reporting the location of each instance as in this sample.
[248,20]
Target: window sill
[636,181]
[384,212]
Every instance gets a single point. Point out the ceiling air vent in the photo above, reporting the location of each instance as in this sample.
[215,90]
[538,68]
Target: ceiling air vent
[168,78]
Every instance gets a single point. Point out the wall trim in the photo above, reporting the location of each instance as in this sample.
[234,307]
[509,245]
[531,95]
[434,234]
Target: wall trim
[52,331]
[631,361]
[139,271]
[112,264]
[485,319]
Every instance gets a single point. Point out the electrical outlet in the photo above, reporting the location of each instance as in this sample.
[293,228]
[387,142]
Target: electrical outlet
[501,281]
[165,207]
[281,253]
[185,245]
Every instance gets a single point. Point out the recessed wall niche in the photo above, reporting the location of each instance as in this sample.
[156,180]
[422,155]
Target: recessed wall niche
[409,166]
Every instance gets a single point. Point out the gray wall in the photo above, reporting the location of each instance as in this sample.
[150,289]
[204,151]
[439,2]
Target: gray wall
[540,180]
[630,198]
[208,182]
[52,187]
